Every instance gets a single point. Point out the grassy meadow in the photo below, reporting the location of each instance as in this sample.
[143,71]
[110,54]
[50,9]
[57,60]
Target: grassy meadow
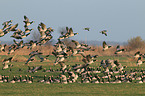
[57,89]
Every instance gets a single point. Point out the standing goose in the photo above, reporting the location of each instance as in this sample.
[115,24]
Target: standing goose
[30,80]
[105,46]
[20,79]
[13,80]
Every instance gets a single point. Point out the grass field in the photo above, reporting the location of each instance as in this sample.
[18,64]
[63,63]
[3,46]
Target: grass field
[74,89]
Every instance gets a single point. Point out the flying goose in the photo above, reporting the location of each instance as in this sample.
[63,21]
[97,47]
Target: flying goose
[87,28]
[76,51]
[27,30]
[137,54]
[78,45]
[7,60]
[139,61]
[27,22]
[2,33]
[70,33]
[6,24]
[118,50]
[30,59]
[20,44]
[13,28]
[59,59]
[105,46]
[35,69]
[104,32]
[2,47]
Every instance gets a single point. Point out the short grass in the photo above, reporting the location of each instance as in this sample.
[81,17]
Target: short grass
[74,89]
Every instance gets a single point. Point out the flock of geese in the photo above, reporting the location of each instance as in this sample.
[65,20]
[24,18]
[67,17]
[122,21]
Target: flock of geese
[109,71]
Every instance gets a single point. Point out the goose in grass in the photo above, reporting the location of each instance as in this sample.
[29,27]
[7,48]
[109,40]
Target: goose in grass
[104,32]
[27,22]
[2,79]
[119,50]
[25,79]
[87,28]
[73,76]
[137,54]
[13,80]
[105,46]
[140,80]
[63,79]
[20,79]
[30,80]
[43,80]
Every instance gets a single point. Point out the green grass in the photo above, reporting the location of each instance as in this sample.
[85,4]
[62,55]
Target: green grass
[74,89]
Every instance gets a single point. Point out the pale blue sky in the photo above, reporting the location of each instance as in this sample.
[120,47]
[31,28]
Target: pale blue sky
[123,19]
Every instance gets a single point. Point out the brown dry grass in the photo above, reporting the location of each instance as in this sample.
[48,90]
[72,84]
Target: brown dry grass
[47,50]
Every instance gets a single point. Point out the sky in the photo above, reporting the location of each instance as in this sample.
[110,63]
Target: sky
[124,19]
